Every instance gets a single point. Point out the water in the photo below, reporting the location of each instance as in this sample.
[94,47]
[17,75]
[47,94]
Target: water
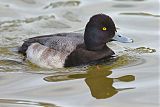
[129,80]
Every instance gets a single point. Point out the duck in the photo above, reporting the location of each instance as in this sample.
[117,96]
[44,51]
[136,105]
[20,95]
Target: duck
[74,49]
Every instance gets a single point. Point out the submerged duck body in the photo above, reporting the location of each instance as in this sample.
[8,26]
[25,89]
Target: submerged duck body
[72,49]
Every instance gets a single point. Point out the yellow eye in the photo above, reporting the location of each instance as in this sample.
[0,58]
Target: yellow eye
[104,28]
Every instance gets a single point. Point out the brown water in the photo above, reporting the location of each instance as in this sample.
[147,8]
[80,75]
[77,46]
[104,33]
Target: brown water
[129,80]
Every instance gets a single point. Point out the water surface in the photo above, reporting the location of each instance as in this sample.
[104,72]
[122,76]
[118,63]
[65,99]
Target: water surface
[131,79]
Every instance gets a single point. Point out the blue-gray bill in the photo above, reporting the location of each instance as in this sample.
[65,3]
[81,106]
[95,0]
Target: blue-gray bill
[121,38]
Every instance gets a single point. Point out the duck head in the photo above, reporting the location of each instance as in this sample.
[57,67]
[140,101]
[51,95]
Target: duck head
[99,30]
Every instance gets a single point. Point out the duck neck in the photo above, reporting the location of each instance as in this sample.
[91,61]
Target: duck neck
[92,42]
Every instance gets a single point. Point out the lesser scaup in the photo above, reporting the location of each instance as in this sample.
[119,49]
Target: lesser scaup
[73,49]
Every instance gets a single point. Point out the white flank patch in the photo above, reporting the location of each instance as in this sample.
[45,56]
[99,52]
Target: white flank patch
[45,57]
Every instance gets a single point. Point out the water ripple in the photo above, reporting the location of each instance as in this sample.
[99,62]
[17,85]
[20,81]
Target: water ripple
[14,102]
[9,25]
[63,4]
[140,14]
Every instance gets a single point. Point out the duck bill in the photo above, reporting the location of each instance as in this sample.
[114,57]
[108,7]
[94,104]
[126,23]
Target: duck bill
[121,38]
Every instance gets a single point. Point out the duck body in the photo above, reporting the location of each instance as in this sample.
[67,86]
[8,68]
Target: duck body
[51,50]
[72,49]
[59,50]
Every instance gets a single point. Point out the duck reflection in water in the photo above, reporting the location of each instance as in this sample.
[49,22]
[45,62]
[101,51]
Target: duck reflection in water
[100,85]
